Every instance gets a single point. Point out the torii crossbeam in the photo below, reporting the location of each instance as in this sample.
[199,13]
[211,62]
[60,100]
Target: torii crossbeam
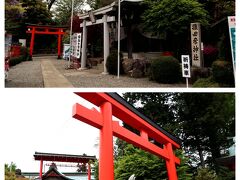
[111,104]
[64,158]
[48,30]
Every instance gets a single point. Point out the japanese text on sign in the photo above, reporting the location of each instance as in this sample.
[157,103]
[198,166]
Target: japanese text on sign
[186,66]
[76,45]
[196,44]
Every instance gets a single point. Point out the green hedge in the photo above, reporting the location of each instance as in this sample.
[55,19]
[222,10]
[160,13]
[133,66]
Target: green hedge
[16,60]
[25,54]
[206,82]
[166,69]
[112,63]
[223,73]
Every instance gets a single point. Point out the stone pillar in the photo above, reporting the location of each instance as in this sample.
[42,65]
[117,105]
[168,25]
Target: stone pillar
[84,46]
[105,42]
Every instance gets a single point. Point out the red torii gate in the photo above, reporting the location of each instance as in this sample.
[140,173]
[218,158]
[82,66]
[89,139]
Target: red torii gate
[112,104]
[63,158]
[45,29]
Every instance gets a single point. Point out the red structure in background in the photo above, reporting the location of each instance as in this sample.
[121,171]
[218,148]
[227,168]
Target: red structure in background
[15,50]
[111,105]
[41,29]
[63,158]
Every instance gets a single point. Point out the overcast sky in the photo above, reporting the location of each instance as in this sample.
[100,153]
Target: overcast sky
[39,120]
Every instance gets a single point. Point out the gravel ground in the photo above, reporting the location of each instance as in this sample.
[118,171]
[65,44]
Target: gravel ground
[29,74]
[94,78]
[25,74]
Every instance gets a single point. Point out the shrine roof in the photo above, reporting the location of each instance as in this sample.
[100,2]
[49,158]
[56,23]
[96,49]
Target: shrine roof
[106,9]
[63,157]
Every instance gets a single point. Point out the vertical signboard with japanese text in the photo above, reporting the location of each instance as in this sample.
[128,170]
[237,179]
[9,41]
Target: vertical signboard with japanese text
[76,45]
[196,45]
[232,31]
[186,66]
[186,69]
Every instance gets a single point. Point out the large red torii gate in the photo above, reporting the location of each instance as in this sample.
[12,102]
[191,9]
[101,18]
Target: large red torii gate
[64,158]
[112,104]
[48,30]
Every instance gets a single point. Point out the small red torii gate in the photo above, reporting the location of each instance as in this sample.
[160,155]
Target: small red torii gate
[64,158]
[48,30]
[112,104]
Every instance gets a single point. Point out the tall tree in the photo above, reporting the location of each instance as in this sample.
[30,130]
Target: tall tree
[172,19]
[13,15]
[147,166]
[62,12]
[36,12]
[207,120]
[10,171]
[202,120]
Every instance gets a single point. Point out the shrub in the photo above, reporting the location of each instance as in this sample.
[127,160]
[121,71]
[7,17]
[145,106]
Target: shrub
[205,82]
[25,53]
[15,60]
[197,73]
[112,63]
[223,72]
[165,70]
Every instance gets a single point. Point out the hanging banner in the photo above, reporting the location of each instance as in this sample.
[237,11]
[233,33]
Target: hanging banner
[66,51]
[196,45]
[76,45]
[232,32]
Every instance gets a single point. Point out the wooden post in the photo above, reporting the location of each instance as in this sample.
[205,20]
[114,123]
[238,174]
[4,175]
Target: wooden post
[106,167]
[32,42]
[171,168]
[89,171]
[59,43]
[41,167]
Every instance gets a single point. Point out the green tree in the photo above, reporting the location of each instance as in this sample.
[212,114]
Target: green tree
[202,120]
[13,13]
[173,16]
[146,166]
[171,19]
[62,12]
[36,12]
[10,171]
[207,119]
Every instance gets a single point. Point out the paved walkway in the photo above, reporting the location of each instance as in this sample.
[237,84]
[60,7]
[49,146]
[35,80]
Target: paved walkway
[52,77]
[49,72]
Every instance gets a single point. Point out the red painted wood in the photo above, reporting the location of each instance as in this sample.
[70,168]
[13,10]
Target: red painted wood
[45,30]
[128,117]
[106,167]
[41,167]
[89,171]
[32,41]
[171,168]
[103,121]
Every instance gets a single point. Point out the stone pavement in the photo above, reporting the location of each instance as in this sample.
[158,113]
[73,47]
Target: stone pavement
[47,71]
[52,77]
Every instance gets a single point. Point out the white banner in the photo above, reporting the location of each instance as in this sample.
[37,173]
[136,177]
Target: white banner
[76,45]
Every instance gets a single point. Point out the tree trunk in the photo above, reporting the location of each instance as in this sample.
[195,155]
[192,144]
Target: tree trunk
[129,41]
[201,157]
